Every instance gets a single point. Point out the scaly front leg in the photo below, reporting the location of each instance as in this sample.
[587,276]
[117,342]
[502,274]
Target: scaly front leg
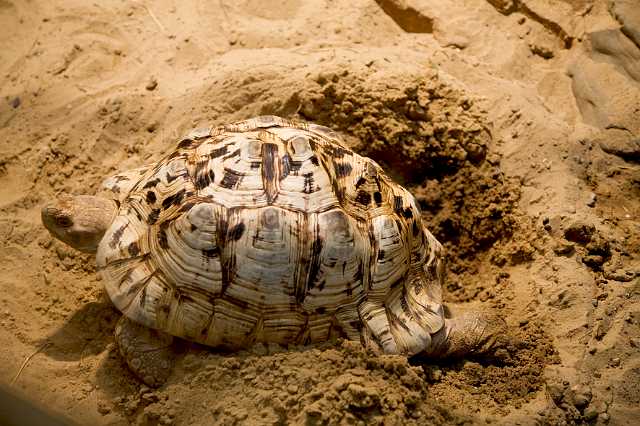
[148,353]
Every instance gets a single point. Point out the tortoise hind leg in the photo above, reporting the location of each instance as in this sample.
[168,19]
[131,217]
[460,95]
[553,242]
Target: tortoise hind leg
[148,353]
[468,333]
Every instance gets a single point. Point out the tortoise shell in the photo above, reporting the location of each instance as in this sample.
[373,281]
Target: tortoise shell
[270,230]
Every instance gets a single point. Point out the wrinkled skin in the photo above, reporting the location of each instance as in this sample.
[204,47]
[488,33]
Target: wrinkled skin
[468,333]
[79,220]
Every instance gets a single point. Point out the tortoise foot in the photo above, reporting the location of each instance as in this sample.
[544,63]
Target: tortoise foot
[468,333]
[147,352]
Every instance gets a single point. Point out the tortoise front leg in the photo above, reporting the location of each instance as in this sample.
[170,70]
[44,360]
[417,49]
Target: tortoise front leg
[148,353]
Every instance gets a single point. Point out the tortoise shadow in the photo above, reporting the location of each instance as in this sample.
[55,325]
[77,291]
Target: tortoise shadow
[87,332]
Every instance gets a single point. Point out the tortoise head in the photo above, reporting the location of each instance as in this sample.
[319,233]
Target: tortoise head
[79,220]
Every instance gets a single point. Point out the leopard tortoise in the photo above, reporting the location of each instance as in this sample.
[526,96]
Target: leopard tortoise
[265,230]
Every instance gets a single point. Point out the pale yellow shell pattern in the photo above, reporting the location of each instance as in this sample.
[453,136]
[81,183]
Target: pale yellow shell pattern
[269,230]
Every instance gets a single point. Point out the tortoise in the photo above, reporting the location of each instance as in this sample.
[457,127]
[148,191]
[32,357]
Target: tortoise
[265,230]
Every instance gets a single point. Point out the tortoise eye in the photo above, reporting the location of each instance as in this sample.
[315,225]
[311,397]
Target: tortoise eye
[64,221]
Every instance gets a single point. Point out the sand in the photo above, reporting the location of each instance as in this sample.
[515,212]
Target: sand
[515,123]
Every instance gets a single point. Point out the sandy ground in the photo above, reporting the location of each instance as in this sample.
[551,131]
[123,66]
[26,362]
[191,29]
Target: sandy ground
[515,123]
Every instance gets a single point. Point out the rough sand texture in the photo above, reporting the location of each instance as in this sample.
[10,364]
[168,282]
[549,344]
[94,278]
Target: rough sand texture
[515,123]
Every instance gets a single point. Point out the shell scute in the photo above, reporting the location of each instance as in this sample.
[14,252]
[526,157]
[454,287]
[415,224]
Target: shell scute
[336,259]
[266,278]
